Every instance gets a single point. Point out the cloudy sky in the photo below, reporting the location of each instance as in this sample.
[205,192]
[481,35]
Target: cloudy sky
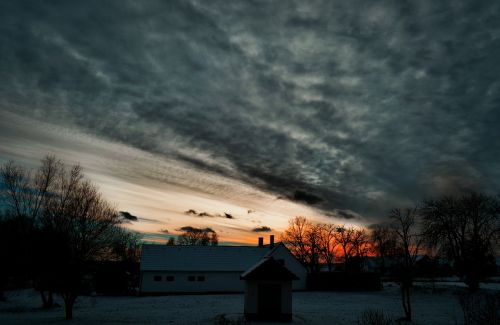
[251,112]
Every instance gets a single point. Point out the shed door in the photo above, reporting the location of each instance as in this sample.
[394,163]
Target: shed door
[269,299]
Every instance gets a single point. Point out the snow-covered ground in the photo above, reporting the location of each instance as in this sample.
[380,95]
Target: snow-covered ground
[431,305]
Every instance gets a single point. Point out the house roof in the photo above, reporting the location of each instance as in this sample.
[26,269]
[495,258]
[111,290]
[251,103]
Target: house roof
[201,258]
[268,269]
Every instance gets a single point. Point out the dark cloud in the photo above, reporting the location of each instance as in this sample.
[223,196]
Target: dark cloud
[194,229]
[262,229]
[344,214]
[126,215]
[130,217]
[359,109]
[164,231]
[148,220]
[192,212]
[308,198]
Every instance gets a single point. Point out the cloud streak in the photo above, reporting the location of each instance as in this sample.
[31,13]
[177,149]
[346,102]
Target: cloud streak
[192,212]
[196,230]
[262,229]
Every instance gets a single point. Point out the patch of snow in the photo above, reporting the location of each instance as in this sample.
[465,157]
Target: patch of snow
[430,306]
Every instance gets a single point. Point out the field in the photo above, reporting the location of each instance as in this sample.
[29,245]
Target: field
[432,304]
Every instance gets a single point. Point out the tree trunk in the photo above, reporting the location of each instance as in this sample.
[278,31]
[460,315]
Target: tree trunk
[69,301]
[47,302]
[3,285]
[472,281]
[69,310]
[44,299]
[405,300]
[408,304]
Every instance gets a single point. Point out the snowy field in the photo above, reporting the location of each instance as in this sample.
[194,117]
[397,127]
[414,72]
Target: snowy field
[432,304]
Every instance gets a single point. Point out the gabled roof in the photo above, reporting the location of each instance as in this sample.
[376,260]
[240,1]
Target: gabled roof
[268,269]
[201,258]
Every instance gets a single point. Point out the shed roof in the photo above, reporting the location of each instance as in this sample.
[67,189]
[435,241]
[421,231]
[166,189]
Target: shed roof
[200,258]
[268,269]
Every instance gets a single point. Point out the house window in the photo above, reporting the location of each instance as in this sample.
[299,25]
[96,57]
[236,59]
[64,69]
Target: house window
[191,278]
[201,278]
[157,278]
[170,278]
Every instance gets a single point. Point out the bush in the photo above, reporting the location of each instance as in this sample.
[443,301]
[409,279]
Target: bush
[374,317]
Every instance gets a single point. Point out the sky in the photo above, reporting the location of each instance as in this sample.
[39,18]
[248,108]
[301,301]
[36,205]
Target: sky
[238,115]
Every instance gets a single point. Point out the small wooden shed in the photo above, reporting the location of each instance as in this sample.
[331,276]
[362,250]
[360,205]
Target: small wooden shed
[268,291]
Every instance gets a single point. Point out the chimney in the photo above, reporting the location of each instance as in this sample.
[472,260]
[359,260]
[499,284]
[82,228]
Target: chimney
[271,241]
[261,241]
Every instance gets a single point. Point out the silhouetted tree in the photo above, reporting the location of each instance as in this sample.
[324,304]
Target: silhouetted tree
[327,243]
[15,243]
[295,238]
[466,230]
[409,242]
[24,194]
[354,246]
[86,224]
[66,224]
[127,245]
[302,239]
[214,239]
[171,241]
[384,243]
[196,237]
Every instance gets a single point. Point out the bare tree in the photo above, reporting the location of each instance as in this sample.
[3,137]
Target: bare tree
[409,241]
[214,239]
[466,230]
[354,245]
[25,196]
[69,224]
[126,246]
[327,243]
[384,243]
[196,237]
[361,243]
[313,240]
[295,238]
[302,238]
[85,223]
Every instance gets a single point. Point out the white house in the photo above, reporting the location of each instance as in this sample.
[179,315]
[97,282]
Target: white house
[185,269]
